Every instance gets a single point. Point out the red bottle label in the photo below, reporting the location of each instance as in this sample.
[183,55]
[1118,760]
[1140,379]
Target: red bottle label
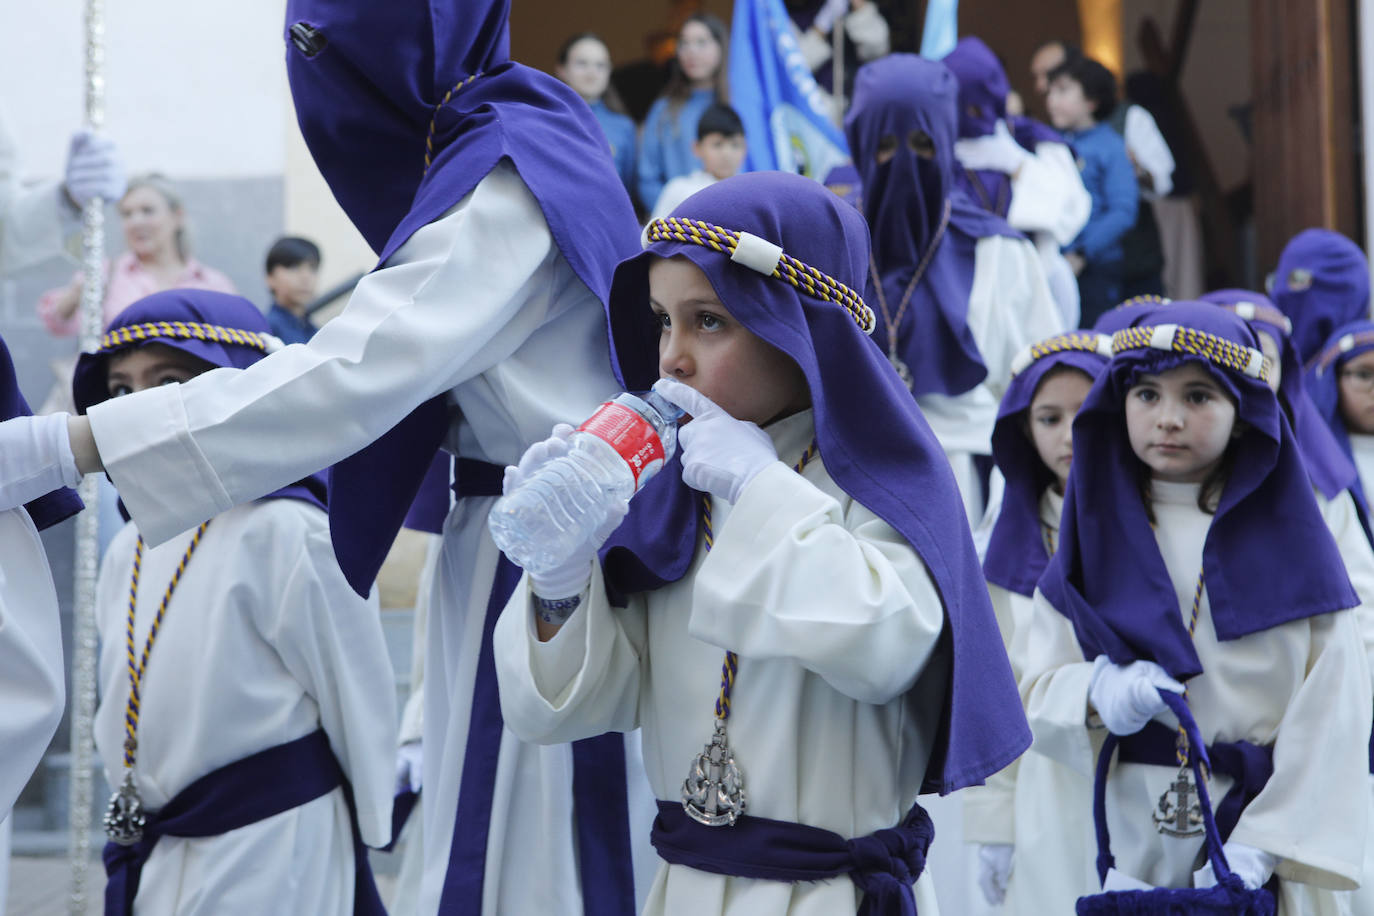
[632,436]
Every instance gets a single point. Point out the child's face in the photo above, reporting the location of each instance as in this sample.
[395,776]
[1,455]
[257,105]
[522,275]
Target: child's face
[149,366]
[1270,348]
[720,155]
[587,69]
[1179,423]
[1069,108]
[1357,394]
[293,287]
[1051,414]
[702,346]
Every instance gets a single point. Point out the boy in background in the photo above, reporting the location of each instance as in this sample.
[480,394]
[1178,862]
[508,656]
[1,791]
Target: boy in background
[293,271]
[719,145]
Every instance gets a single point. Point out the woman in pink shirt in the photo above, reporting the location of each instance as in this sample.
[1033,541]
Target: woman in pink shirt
[157,259]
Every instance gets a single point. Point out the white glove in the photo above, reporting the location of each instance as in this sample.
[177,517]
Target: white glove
[994,870]
[574,575]
[1127,696]
[1253,866]
[35,458]
[994,152]
[93,168]
[409,766]
[720,454]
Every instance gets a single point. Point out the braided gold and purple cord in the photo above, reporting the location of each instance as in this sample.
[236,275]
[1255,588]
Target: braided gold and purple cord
[1217,350]
[1073,341]
[137,665]
[804,277]
[1327,358]
[1181,747]
[730,667]
[185,330]
[433,121]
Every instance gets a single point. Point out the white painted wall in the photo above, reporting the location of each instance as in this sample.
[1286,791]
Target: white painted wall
[196,90]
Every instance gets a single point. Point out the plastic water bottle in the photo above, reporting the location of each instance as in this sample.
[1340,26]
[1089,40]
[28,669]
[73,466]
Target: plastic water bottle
[610,457]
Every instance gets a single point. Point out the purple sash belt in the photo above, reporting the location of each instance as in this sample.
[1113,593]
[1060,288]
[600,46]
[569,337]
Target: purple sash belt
[884,864]
[602,810]
[1250,765]
[244,792]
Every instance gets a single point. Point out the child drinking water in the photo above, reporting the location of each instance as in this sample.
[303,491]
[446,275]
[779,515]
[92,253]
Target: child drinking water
[861,661]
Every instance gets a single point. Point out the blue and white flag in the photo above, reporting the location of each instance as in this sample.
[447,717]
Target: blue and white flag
[941,32]
[787,118]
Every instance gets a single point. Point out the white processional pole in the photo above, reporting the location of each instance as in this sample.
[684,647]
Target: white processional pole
[88,522]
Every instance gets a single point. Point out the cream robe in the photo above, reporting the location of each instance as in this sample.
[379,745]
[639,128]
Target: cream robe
[1299,686]
[31,671]
[263,642]
[481,307]
[1009,308]
[1050,204]
[834,617]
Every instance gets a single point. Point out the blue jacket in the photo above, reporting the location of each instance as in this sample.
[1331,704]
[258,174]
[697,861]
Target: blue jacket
[665,148]
[288,327]
[620,134]
[1110,179]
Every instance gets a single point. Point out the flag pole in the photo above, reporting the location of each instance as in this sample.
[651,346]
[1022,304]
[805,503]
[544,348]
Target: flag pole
[837,70]
[88,522]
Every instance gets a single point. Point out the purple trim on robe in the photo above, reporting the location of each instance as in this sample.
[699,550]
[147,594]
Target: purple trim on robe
[368,96]
[1108,576]
[1332,470]
[249,790]
[884,864]
[1017,554]
[873,440]
[50,508]
[904,200]
[431,504]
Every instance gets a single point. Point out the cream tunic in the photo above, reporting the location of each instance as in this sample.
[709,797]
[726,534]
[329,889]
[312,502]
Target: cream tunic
[1298,686]
[31,672]
[479,306]
[1009,308]
[263,642]
[834,617]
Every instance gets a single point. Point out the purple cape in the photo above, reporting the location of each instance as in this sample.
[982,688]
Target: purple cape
[873,440]
[983,91]
[374,86]
[898,97]
[50,508]
[1329,466]
[1269,557]
[1017,554]
[1324,385]
[90,380]
[1321,282]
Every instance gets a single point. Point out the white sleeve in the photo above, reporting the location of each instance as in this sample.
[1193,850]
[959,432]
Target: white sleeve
[1147,146]
[867,28]
[582,682]
[35,221]
[331,641]
[989,809]
[459,297]
[1054,683]
[1047,194]
[1009,305]
[793,575]
[1343,519]
[1317,833]
[31,671]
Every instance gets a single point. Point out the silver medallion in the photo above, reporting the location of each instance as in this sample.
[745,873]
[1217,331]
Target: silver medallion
[1178,813]
[713,792]
[903,371]
[124,818]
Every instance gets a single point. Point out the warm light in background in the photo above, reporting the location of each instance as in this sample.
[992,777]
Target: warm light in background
[1101,24]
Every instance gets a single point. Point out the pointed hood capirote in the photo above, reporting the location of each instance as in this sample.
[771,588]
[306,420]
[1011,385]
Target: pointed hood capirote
[50,508]
[406,105]
[919,218]
[1321,282]
[1268,558]
[872,438]
[223,330]
[1328,464]
[1017,553]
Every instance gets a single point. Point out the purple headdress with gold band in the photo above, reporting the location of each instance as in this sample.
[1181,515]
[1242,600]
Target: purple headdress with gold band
[1268,558]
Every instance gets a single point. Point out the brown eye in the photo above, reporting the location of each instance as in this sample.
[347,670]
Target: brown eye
[887,147]
[919,142]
